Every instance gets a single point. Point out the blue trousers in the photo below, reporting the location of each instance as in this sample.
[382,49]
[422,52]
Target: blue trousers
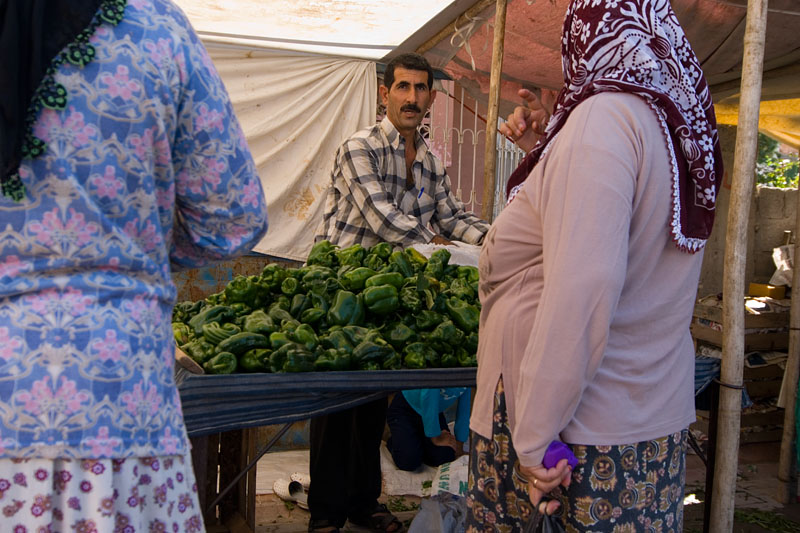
[409,446]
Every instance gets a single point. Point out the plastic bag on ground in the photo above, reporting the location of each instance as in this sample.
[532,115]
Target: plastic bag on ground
[442,513]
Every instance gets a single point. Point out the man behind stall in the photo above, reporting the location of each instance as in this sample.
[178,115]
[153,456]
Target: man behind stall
[386,185]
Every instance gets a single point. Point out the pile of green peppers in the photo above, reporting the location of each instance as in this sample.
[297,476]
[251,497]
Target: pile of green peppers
[351,308]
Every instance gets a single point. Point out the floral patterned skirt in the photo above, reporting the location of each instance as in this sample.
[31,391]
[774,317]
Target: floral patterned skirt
[143,494]
[621,488]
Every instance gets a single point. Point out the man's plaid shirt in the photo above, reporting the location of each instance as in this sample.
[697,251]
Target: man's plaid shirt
[368,200]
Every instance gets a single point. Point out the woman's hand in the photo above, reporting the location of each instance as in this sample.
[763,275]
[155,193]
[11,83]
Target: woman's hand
[542,480]
[527,123]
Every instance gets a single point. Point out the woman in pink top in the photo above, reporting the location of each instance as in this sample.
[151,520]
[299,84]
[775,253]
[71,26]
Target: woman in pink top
[588,279]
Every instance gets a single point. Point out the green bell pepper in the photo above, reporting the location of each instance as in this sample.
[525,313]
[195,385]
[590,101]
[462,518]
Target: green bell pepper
[241,342]
[290,286]
[469,273]
[255,360]
[218,298]
[300,302]
[437,263]
[449,360]
[395,279]
[278,314]
[332,360]
[240,309]
[337,340]
[409,299]
[399,335]
[272,276]
[393,362]
[355,279]
[346,309]
[416,355]
[184,311]
[352,255]
[298,359]
[383,250]
[355,334]
[471,343]
[381,299]
[445,337]
[316,274]
[427,320]
[371,352]
[215,313]
[305,335]
[466,316]
[181,332]
[278,339]
[460,288]
[241,289]
[465,358]
[215,333]
[417,260]
[374,262]
[322,253]
[222,363]
[259,322]
[278,357]
[400,263]
[199,349]
[312,315]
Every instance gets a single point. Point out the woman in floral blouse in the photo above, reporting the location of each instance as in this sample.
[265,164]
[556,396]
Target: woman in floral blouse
[120,160]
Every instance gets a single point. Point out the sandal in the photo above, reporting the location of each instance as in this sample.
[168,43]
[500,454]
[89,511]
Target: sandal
[322,525]
[379,520]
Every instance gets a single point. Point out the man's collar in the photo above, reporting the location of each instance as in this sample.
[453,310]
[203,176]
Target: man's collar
[393,136]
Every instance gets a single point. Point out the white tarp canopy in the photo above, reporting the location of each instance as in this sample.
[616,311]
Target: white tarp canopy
[302,74]
[302,78]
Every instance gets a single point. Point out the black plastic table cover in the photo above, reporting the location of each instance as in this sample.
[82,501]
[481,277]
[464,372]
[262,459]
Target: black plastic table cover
[218,403]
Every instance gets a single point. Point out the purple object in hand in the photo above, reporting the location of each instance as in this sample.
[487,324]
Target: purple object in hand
[557,451]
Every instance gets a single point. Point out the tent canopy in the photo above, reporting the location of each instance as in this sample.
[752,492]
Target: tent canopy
[302,75]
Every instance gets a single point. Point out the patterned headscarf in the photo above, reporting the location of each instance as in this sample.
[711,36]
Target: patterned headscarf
[638,47]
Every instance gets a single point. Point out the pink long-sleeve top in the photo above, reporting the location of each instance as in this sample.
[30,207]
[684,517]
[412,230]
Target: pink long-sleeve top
[586,300]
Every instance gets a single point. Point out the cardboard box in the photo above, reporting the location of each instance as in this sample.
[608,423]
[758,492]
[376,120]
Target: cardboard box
[771,291]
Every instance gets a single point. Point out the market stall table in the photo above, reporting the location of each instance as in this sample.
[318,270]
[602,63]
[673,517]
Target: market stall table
[221,412]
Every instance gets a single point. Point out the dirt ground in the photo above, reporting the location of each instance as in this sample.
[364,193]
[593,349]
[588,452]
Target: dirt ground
[757,510]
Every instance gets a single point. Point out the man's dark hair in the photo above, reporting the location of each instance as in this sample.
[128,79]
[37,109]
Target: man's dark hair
[408,61]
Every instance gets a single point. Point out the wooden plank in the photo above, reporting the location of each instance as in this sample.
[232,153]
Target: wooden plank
[768,388]
[752,342]
[765,320]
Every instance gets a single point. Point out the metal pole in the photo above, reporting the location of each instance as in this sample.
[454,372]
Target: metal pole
[490,154]
[730,396]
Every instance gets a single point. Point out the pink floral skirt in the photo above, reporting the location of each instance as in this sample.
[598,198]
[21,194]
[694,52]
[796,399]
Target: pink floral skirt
[140,494]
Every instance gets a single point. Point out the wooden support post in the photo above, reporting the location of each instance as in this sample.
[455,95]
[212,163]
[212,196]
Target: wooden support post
[787,476]
[730,397]
[490,154]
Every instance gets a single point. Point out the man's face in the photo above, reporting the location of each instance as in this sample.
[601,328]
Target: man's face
[408,99]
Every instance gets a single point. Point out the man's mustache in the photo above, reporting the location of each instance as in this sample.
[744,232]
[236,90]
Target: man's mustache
[411,107]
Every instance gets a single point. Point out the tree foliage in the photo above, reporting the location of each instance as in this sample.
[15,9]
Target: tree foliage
[773,168]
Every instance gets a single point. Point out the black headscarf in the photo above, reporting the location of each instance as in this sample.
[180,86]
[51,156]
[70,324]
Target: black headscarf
[32,32]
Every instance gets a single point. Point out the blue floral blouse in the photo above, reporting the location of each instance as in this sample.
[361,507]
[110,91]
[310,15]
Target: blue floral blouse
[145,169]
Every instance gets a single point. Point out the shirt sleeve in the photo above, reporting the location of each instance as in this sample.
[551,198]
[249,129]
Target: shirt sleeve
[453,221]
[461,426]
[358,164]
[220,209]
[585,207]
[429,404]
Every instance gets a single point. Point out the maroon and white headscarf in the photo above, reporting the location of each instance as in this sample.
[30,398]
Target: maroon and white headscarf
[638,47]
